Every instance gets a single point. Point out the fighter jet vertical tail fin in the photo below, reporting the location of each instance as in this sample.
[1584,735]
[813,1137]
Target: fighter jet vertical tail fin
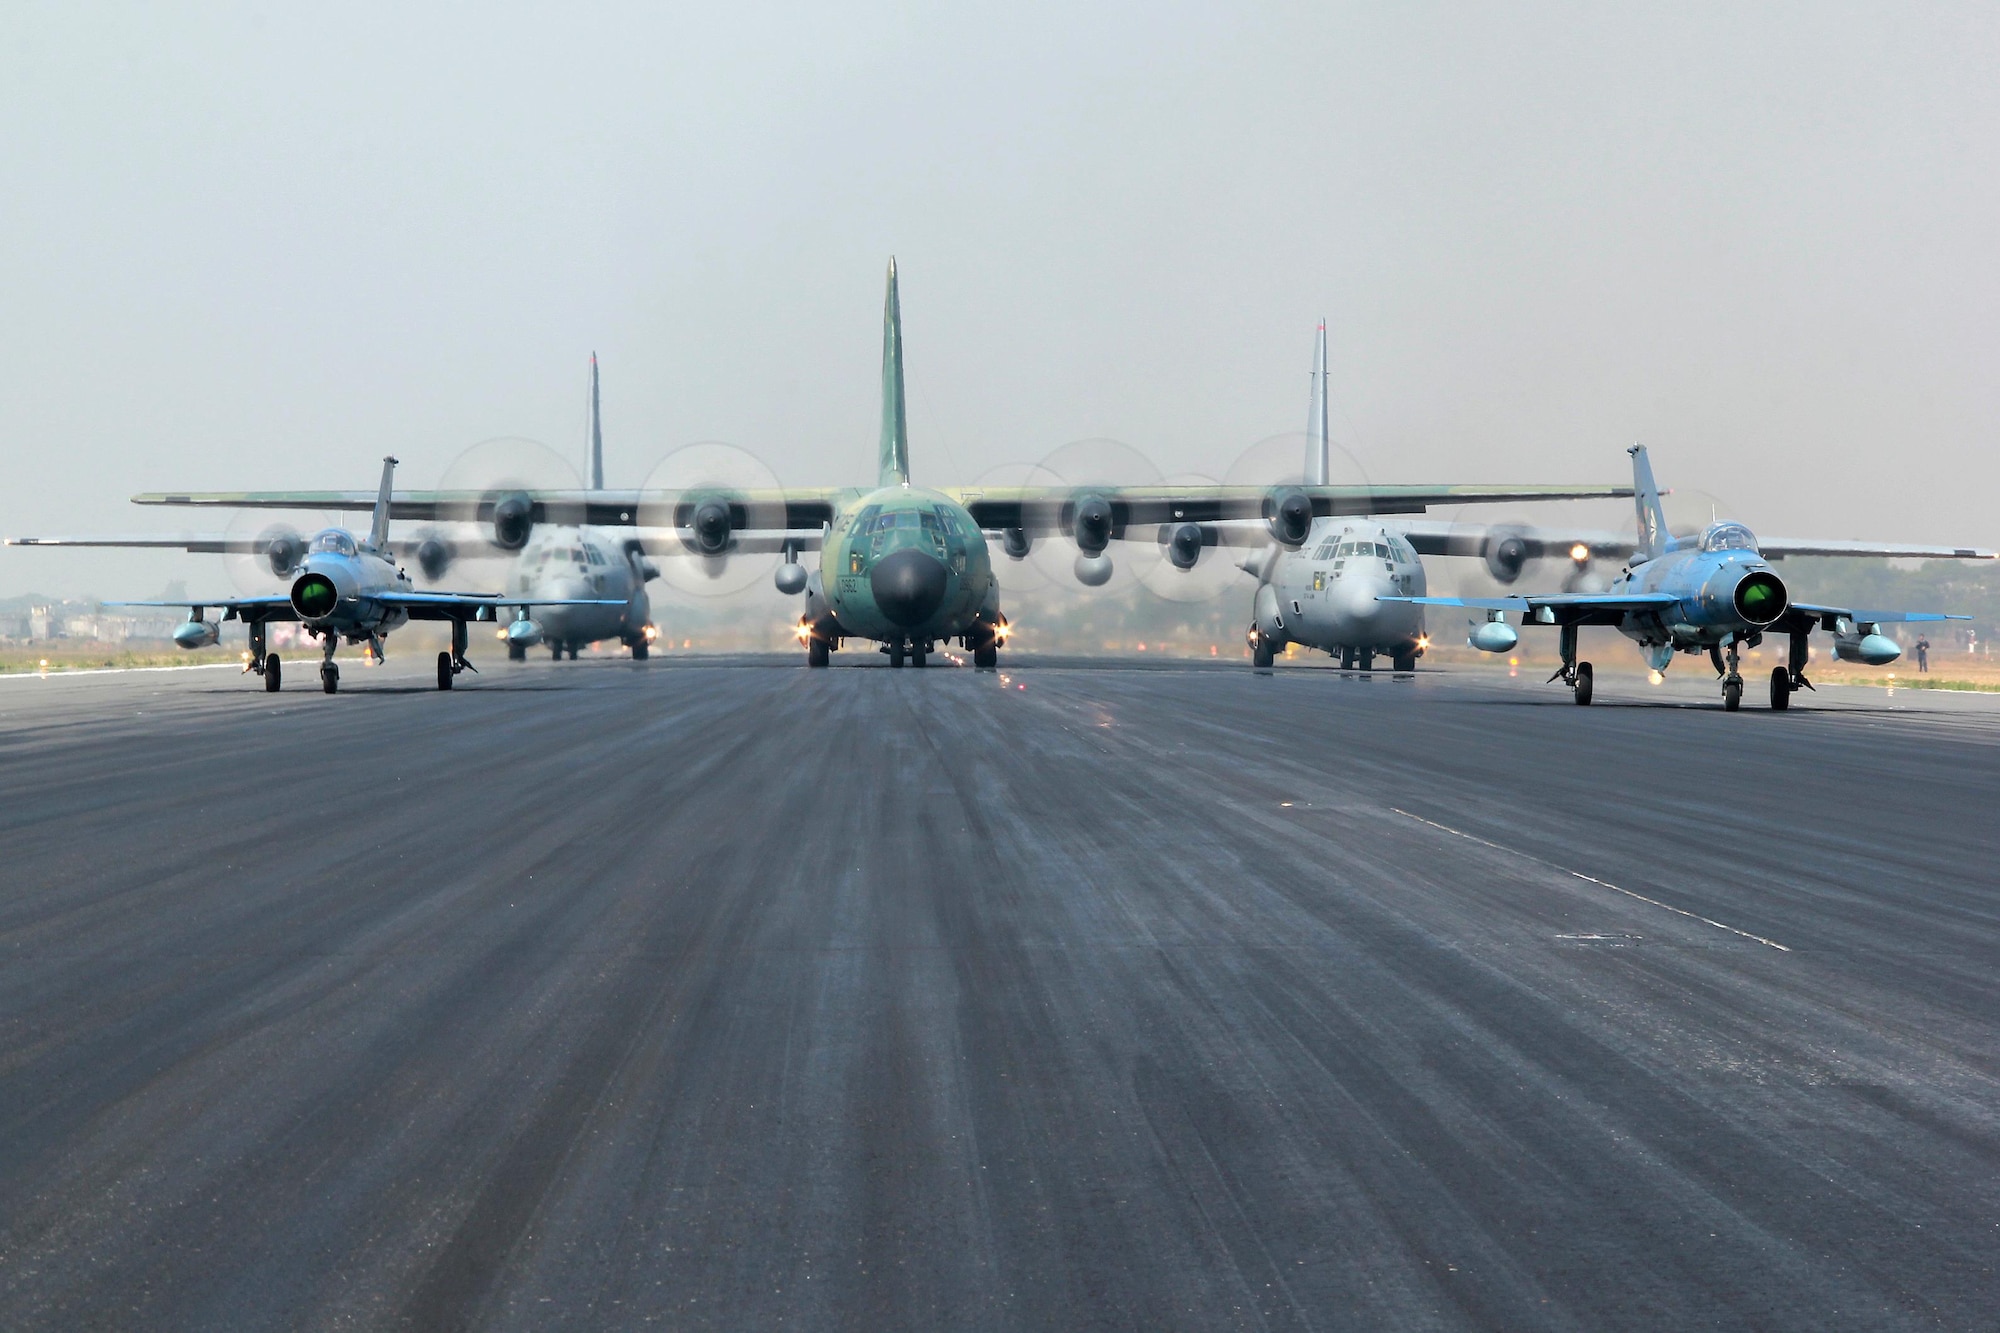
[1318,463]
[378,531]
[1653,539]
[895,451]
[596,460]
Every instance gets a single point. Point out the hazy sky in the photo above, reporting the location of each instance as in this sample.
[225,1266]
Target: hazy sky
[261,247]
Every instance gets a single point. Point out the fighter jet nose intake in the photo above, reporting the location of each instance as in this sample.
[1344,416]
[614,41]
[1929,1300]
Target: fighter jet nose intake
[908,585]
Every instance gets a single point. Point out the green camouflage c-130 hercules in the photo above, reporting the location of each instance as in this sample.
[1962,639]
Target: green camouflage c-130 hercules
[901,565]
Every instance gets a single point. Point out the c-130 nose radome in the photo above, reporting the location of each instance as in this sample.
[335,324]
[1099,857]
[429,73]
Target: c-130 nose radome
[908,585]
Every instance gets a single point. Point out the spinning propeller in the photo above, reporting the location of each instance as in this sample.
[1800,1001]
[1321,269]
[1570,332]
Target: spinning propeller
[724,514]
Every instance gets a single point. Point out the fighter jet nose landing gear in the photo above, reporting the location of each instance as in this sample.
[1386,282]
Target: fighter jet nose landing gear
[1732,680]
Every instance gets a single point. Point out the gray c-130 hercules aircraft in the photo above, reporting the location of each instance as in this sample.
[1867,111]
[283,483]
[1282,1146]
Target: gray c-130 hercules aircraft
[901,565]
[1715,593]
[344,589]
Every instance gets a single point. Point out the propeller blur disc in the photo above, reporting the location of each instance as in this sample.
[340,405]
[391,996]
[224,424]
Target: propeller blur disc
[485,475]
[715,503]
[279,537]
[1215,569]
[1076,467]
[1014,576]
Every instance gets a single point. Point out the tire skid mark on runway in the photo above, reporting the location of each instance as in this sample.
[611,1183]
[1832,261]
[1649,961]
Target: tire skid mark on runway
[1526,856]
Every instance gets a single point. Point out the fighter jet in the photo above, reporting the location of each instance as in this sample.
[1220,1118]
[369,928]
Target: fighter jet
[344,589]
[586,584]
[1716,594]
[1354,588]
[904,566]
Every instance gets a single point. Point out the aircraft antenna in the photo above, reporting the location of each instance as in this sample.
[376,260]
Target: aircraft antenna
[1318,461]
[594,470]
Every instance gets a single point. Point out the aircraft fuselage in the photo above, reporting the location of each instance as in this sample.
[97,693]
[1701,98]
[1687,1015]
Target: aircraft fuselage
[1323,595]
[332,589]
[904,564]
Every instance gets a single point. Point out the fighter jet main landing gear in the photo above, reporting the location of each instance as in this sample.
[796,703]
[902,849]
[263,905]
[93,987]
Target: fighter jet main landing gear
[264,664]
[453,662]
[1577,675]
[1793,673]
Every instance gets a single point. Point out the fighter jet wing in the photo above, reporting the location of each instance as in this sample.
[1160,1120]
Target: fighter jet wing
[271,606]
[1562,608]
[1042,508]
[1801,615]
[454,605]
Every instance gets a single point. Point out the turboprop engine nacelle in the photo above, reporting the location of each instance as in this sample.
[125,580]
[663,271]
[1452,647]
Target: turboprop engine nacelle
[1091,524]
[513,520]
[1506,554]
[1184,545]
[198,634]
[1016,543]
[1864,644]
[434,556]
[706,524]
[1289,515]
[284,552]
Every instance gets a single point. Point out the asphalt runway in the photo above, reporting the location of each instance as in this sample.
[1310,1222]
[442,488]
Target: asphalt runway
[729,995]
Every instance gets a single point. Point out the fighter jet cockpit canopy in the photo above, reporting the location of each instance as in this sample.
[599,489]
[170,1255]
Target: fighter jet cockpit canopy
[1728,537]
[333,541]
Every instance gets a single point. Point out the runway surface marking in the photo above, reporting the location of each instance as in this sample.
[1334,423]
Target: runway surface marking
[1592,879]
[113,671]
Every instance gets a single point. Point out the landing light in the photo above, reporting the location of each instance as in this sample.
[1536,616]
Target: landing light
[802,631]
[652,633]
[1423,641]
[1579,553]
[1655,677]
